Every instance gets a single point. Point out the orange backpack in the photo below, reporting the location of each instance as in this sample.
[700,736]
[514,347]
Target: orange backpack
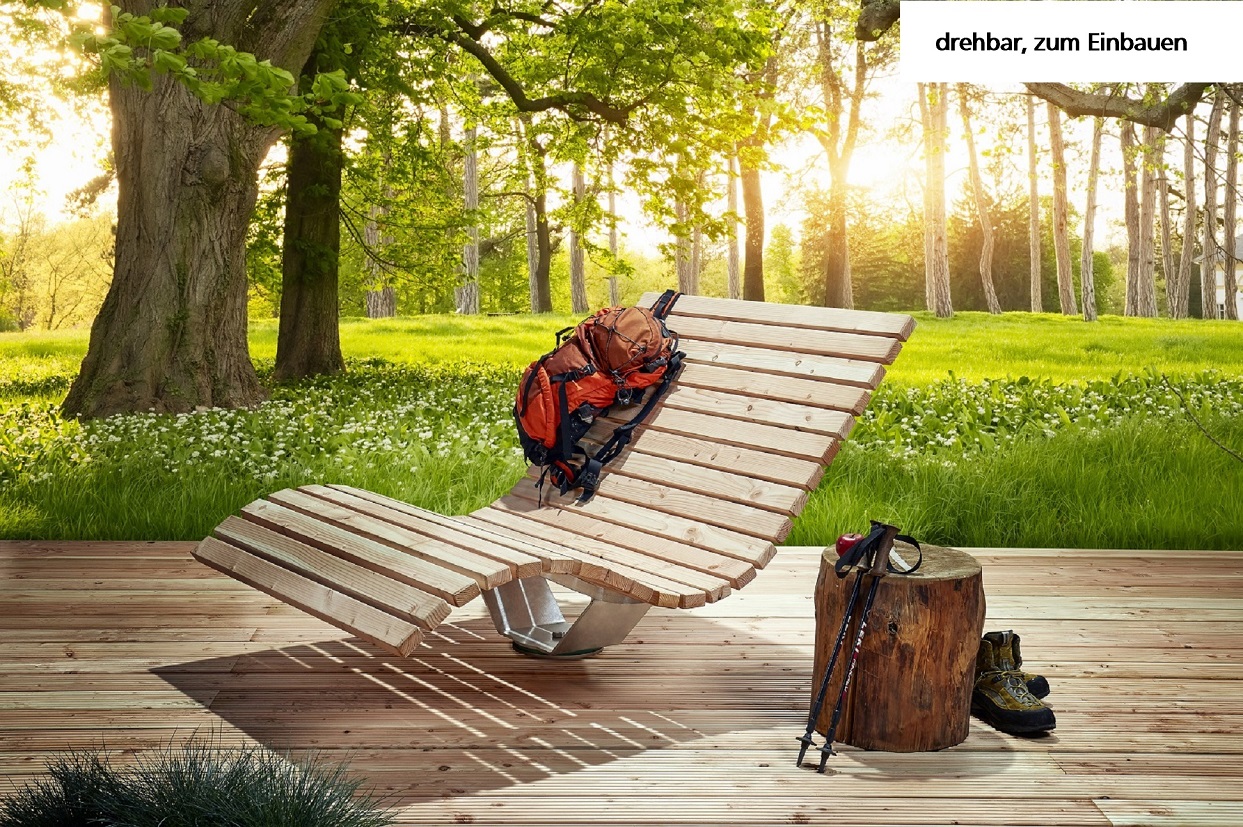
[610,358]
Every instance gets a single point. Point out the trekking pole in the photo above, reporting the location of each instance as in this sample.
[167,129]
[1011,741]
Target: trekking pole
[818,705]
[880,563]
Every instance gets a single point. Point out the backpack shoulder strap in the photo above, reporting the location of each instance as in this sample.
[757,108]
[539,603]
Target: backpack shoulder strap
[621,435]
[664,304]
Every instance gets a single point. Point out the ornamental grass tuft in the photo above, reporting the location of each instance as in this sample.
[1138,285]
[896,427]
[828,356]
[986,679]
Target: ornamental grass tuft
[197,784]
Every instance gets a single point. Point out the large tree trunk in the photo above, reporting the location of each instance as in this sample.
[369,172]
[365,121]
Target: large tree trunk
[1177,290]
[1146,284]
[1087,276]
[1208,264]
[578,264]
[171,335]
[733,268]
[309,341]
[1061,228]
[981,206]
[1033,208]
[753,250]
[932,107]
[1230,228]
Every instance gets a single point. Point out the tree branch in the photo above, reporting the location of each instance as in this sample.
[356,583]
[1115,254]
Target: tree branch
[876,17]
[1163,115]
[564,101]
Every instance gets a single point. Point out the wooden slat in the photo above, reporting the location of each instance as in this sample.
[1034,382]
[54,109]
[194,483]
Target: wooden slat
[367,622]
[767,411]
[580,526]
[425,610]
[784,363]
[554,560]
[768,438]
[766,525]
[488,573]
[456,588]
[895,325]
[812,342]
[682,529]
[817,393]
[799,473]
[624,559]
[488,554]
[738,488]
[615,564]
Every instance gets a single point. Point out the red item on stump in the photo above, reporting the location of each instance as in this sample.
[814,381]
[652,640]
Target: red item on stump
[846,542]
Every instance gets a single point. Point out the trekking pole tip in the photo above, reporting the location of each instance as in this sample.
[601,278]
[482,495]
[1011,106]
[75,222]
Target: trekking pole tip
[806,742]
[825,752]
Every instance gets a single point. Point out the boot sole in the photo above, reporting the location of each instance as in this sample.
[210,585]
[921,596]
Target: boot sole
[986,714]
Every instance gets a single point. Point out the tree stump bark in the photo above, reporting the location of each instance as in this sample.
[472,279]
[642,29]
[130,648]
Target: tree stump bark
[911,690]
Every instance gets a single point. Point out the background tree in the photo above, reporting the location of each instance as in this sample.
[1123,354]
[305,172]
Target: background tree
[1211,250]
[751,154]
[1229,224]
[1033,206]
[845,66]
[578,274]
[981,200]
[1086,281]
[1061,217]
[1150,157]
[1130,161]
[734,269]
[1177,285]
[467,293]
[933,105]
[1169,270]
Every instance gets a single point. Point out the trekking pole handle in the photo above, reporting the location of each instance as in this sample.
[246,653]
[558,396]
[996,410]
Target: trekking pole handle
[880,561]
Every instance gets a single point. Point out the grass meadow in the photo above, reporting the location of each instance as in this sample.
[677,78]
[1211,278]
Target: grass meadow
[1021,430]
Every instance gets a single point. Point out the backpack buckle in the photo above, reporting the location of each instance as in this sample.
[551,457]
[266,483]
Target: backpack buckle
[589,479]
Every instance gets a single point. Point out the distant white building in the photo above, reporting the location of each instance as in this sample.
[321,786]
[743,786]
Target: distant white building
[1220,281]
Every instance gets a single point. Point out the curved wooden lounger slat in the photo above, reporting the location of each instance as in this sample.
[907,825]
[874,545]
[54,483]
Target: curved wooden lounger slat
[688,512]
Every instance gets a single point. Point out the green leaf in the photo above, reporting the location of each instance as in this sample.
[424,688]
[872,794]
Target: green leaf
[165,38]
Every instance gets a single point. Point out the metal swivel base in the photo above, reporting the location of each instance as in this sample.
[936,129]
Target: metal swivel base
[527,612]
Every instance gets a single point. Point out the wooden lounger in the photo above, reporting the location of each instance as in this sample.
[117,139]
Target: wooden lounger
[686,514]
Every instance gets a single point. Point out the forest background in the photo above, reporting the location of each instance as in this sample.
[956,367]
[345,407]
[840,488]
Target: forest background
[317,161]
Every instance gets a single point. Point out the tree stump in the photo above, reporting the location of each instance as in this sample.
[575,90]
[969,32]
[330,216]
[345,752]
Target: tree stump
[911,690]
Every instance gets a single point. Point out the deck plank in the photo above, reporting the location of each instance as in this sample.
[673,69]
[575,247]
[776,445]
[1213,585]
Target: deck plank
[134,645]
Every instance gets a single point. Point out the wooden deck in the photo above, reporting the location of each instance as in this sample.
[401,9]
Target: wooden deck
[131,646]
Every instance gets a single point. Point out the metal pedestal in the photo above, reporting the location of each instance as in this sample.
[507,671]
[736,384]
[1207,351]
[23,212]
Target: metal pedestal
[527,612]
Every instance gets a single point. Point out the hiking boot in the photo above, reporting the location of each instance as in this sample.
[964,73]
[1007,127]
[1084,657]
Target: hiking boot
[1001,697]
[1006,650]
